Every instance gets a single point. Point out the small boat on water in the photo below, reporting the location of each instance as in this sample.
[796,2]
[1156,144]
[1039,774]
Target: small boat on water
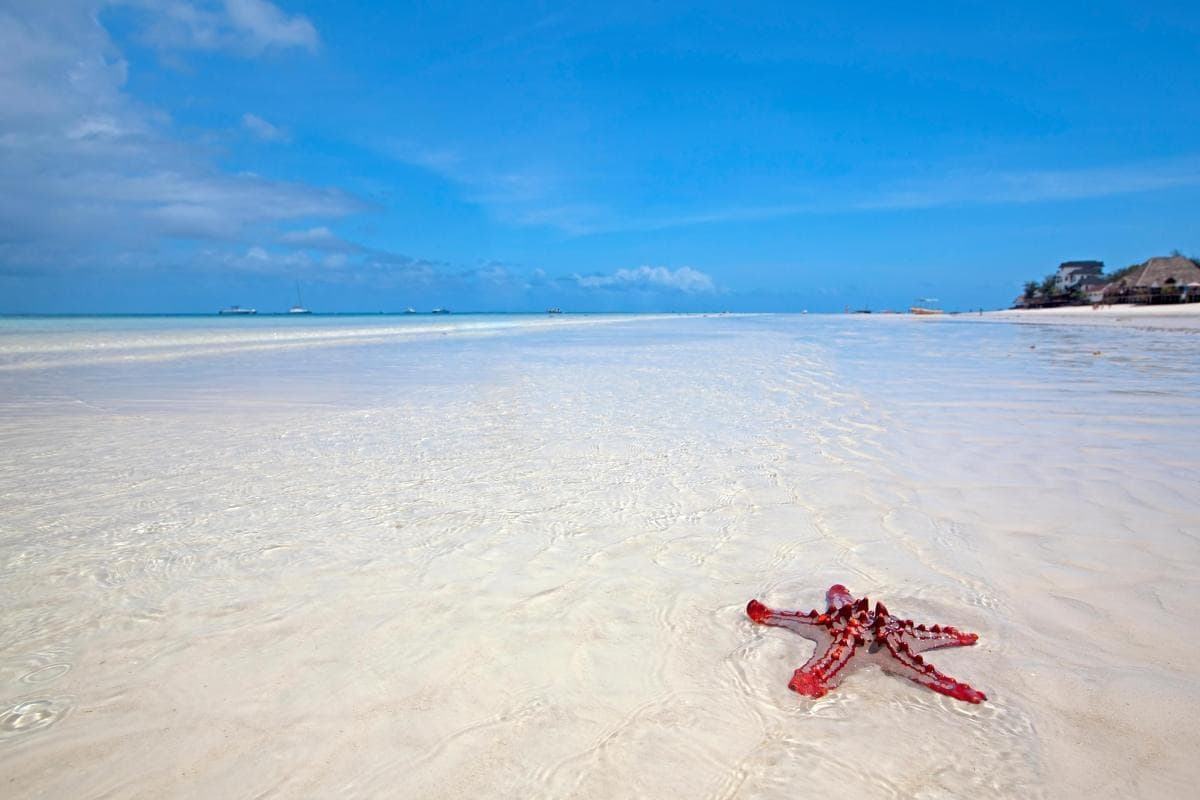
[410,310]
[299,307]
[555,310]
[925,307]
[440,311]
[237,310]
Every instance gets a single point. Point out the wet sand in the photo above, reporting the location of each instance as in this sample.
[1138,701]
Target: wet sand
[515,564]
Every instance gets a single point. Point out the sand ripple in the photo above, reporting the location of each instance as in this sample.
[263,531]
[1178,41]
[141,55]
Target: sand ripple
[516,565]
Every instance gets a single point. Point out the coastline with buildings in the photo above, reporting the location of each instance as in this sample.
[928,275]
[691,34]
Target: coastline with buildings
[1158,281]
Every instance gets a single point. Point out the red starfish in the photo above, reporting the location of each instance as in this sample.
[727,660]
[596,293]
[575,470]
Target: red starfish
[848,626]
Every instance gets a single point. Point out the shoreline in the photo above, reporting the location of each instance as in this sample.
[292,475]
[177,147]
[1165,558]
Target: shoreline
[1186,316]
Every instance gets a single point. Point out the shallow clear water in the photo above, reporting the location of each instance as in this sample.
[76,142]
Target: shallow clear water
[39,342]
[351,557]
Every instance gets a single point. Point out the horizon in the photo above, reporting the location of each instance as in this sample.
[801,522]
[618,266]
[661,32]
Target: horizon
[166,159]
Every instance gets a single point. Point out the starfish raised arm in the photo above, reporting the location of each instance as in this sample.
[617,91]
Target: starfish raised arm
[838,596]
[908,664]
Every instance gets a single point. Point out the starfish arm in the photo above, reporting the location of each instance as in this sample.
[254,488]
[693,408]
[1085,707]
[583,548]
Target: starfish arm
[919,638]
[797,621]
[907,664]
[838,596]
[823,671]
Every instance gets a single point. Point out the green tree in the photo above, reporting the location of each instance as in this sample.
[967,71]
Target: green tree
[1031,288]
[1122,273]
[1048,286]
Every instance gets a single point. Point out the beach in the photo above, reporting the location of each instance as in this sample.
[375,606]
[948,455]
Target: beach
[510,556]
[1175,316]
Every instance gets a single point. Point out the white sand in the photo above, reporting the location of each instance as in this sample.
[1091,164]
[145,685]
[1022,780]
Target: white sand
[1186,315]
[516,565]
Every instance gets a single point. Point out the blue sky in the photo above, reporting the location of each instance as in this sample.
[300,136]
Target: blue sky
[182,156]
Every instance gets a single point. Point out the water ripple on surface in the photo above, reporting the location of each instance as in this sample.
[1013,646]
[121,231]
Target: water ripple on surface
[46,674]
[30,716]
[474,570]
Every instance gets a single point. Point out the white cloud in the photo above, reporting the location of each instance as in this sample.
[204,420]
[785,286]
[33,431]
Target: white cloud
[256,259]
[267,25]
[320,238]
[263,129]
[684,279]
[247,26]
[90,175]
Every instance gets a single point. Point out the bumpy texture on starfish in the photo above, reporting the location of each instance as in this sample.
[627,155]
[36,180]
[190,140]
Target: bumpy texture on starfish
[849,631]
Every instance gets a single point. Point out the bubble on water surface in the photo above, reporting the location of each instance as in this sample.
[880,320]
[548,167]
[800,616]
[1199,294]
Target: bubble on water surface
[30,716]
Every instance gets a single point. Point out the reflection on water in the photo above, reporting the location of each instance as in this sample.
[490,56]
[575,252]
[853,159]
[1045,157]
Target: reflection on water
[516,564]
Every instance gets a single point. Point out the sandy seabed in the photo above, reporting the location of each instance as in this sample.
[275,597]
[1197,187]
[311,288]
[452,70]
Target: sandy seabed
[515,563]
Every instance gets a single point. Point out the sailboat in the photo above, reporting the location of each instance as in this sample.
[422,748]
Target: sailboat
[299,307]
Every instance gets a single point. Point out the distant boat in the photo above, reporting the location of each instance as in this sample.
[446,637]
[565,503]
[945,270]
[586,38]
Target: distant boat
[237,310]
[555,310]
[299,307]
[410,310]
[440,311]
[925,307]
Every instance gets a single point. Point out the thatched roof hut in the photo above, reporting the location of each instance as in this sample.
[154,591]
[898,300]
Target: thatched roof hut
[1149,281]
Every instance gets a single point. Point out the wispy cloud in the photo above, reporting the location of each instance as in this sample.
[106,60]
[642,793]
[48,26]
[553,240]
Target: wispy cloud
[246,26]
[525,194]
[263,129]
[320,238]
[955,188]
[545,195]
[964,187]
[683,279]
[265,24]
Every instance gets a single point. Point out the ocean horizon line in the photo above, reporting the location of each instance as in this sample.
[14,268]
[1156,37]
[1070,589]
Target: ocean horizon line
[310,314]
